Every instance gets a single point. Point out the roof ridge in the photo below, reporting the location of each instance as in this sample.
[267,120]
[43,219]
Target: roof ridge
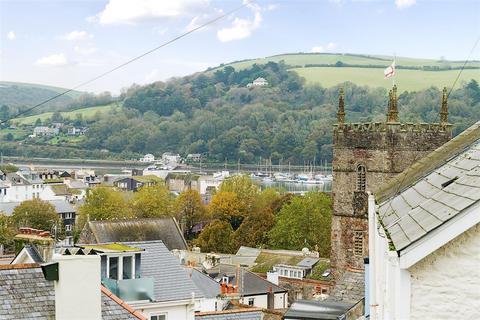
[19,266]
[122,303]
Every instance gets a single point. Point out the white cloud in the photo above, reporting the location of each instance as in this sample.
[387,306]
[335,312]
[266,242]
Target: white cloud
[241,28]
[203,18]
[11,35]
[401,4]
[77,35]
[53,60]
[135,11]
[328,48]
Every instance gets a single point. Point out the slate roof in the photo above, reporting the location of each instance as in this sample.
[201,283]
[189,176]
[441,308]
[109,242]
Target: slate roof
[33,253]
[320,310]
[209,287]
[151,229]
[61,206]
[171,281]
[25,294]
[438,189]
[248,283]
[308,262]
[235,314]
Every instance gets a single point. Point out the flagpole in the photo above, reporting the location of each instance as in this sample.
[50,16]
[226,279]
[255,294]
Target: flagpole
[395,64]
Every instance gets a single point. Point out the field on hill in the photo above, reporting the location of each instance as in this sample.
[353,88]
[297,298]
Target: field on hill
[406,80]
[87,113]
[303,59]
[73,93]
[308,66]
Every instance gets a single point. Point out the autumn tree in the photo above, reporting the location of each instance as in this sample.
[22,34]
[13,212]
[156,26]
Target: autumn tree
[245,189]
[216,237]
[36,214]
[226,206]
[103,203]
[304,222]
[190,210]
[253,231]
[153,201]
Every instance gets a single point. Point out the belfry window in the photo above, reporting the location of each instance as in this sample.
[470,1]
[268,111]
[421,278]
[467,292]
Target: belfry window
[358,243]
[361,178]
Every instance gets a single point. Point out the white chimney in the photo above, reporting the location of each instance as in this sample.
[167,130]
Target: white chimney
[272,276]
[77,291]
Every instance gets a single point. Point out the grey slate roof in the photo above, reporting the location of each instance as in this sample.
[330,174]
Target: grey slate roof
[34,254]
[61,206]
[250,315]
[248,283]
[308,262]
[171,281]
[25,294]
[438,195]
[209,287]
[152,229]
[321,310]
[349,287]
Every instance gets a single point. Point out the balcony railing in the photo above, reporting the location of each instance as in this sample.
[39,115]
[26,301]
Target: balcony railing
[131,289]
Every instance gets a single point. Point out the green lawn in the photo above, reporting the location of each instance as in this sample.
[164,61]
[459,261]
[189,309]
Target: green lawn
[408,80]
[73,93]
[322,58]
[87,113]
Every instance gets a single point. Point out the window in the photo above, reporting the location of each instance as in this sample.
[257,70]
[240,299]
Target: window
[68,227]
[158,317]
[113,268]
[137,265]
[68,215]
[127,268]
[251,301]
[361,178]
[358,243]
[103,266]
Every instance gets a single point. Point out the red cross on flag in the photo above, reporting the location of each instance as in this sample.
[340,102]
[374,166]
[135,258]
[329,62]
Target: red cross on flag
[390,70]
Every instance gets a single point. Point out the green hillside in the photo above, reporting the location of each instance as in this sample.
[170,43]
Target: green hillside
[17,96]
[302,59]
[406,80]
[87,114]
[329,70]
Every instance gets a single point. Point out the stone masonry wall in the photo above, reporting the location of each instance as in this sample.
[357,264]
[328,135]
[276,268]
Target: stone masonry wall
[385,150]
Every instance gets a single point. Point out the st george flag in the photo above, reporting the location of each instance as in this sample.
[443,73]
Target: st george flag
[390,70]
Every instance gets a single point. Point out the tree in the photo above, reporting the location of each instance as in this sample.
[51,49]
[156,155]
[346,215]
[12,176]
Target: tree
[226,206]
[245,190]
[153,201]
[103,203]
[216,237]
[37,214]
[304,222]
[7,232]
[190,210]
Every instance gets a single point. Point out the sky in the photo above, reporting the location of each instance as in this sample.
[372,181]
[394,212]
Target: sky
[67,42]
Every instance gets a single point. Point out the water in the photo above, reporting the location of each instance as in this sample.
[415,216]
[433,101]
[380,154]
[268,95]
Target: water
[292,187]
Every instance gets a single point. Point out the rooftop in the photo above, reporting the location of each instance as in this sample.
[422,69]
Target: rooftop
[433,190]
[164,229]
[112,247]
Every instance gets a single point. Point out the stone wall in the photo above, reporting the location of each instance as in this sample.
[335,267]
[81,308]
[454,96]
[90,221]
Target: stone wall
[384,149]
[446,284]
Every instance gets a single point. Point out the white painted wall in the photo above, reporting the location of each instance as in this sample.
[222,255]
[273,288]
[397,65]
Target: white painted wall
[446,284]
[209,304]
[77,292]
[281,300]
[260,301]
[176,310]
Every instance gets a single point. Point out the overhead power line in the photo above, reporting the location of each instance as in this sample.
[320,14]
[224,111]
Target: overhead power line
[220,17]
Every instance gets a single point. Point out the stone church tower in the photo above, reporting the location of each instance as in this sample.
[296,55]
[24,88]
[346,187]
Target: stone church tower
[366,155]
